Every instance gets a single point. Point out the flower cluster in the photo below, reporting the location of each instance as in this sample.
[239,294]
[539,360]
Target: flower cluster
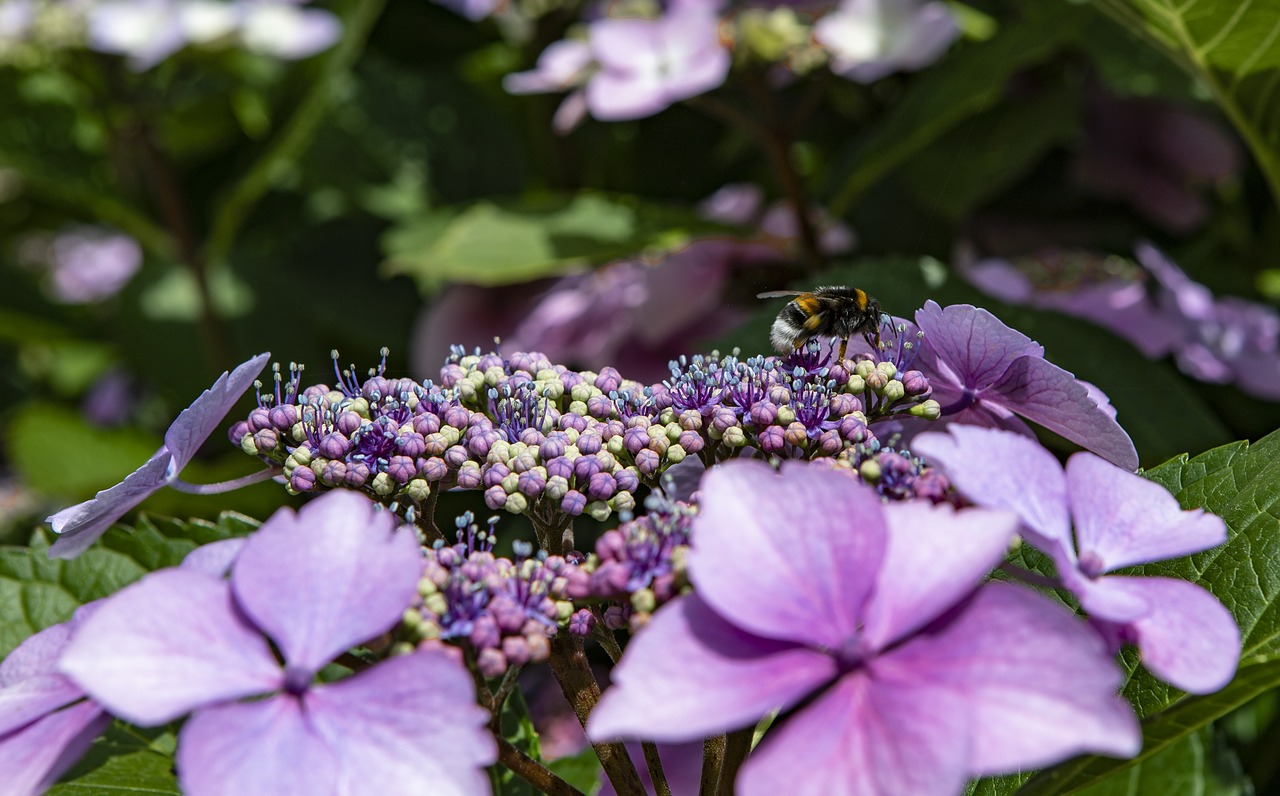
[541,439]
[1153,305]
[896,474]
[640,563]
[149,31]
[504,609]
[629,67]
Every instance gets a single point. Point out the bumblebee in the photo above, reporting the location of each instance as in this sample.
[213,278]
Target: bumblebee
[834,311]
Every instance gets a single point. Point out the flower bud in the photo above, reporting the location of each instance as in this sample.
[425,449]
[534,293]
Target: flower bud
[574,503]
[383,486]
[929,410]
[469,475]
[495,497]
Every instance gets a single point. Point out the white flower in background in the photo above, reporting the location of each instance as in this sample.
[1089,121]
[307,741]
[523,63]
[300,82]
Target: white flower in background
[869,39]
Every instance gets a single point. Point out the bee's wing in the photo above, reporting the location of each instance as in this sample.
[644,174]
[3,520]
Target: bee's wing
[779,293]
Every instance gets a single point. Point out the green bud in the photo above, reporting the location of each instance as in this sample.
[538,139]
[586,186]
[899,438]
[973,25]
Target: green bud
[614,445]
[494,375]
[668,415]
[676,454]
[661,444]
[360,406]
[467,391]
[644,601]
[384,485]
[714,433]
[887,368]
[426,588]
[511,483]
[246,445]
[302,456]
[571,434]
[517,503]
[735,437]
[418,489]
[929,410]
[607,461]
[499,451]
[894,391]
[623,501]
[564,610]
[577,407]
[411,618]
[436,603]
[673,432]
[317,465]
[468,362]
[451,435]
[865,368]
[856,384]
[599,510]
[402,648]
[429,631]
[869,470]
[580,394]
[557,487]
[298,432]
[786,416]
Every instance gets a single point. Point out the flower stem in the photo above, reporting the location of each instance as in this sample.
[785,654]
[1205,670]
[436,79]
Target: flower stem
[533,772]
[225,486]
[737,745]
[569,664]
[712,761]
[654,764]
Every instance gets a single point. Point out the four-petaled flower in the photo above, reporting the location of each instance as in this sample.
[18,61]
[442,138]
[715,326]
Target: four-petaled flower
[986,374]
[80,525]
[311,585]
[896,671]
[1185,636]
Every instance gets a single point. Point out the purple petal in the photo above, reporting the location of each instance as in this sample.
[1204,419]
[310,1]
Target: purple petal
[331,576]
[1102,598]
[269,746]
[35,656]
[971,343]
[409,725]
[1051,397]
[689,674]
[788,556]
[1123,519]
[28,700]
[195,423]
[1001,469]
[167,644]
[864,736]
[282,30]
[935,557]
[35,756]
[558,69]
[80,526]
[1039,684]
[1188,639]
[215,558]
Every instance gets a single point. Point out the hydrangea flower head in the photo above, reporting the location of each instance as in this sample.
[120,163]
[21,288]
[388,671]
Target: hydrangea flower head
[46,724]
[83,523]
[313,584]
[984,373]
[867,621]
[1185,636]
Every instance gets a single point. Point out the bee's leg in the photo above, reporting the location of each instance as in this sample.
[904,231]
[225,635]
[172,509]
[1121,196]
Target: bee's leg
[844,345]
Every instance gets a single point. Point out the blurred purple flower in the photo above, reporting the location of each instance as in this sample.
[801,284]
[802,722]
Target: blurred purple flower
[909,674]
[85,264]
[16,17]
[631,68]
[81,524]
[111,399]
[46,724]
[149,31]
[869,39]
[984,373]
[1155,156]
[1184,634]
[311,585]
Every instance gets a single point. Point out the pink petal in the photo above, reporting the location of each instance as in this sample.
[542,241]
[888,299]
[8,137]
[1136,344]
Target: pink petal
[788,556]
[1123,519]
[1040,685]
[408,725]
[215,558]
[861,737]
[80,526]
[972,342]
[689,674]
[35,756]
[935,557]
[167,644]
[1001,469]
[1188,638]
[331,576]
[269,746]
[198,421]
[1051,397]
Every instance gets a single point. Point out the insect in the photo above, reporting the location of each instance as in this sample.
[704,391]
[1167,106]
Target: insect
[833,311]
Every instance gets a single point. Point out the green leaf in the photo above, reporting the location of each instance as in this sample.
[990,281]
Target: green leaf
[124,760]
[37,591]
[582,770]
[58,453]
[968,82]
[979,160]
[517,727]
[496,244]
[1233,47]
